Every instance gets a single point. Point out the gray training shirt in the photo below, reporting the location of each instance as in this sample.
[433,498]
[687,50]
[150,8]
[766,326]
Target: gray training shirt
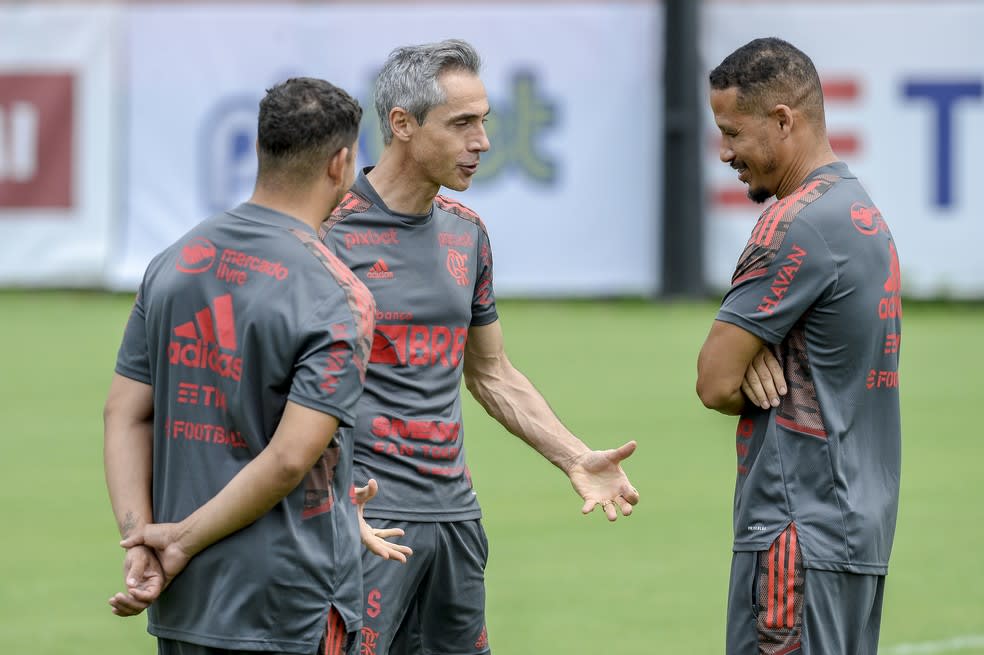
[820,280]
[431,276]
[245,312]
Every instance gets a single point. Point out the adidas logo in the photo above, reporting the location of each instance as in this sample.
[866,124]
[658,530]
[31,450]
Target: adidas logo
[379,271]
[204,339]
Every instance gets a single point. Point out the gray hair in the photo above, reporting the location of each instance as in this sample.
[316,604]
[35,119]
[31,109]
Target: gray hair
[409,78]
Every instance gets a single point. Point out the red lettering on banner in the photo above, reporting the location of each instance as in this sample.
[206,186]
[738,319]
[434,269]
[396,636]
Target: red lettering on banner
[418,345]
[784,277]
[37,139]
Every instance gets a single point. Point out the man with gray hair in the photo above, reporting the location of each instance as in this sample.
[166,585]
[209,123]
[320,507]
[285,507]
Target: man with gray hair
[428,262]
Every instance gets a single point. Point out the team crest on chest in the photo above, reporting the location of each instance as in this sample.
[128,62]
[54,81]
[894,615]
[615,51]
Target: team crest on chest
[457,266]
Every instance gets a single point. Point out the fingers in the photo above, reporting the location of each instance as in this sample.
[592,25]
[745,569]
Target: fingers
[126,605]
[775,370]
[135,539]
[388,532]
[754,392]
[624,451]
[366,493]
[612,507]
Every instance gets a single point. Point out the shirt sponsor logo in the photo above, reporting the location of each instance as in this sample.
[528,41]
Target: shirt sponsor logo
[208,341]
[203,432]
[201,394]
[197,256]
[457,266]
[435,431]
[882,379]
[37,140]
[371,238]
[782,280]
[891,306]
[235,266]
[446,239]
[379,271]
[393,316]
[404,344]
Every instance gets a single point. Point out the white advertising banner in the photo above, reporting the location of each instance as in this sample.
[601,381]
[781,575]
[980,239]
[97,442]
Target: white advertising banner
[904,87]
[569,190]
[58,134]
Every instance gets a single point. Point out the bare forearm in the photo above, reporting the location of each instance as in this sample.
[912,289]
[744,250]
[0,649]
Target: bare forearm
[258,487]
[127,458]
[511,399]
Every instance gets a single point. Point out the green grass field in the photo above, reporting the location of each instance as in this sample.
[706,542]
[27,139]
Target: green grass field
[558,582]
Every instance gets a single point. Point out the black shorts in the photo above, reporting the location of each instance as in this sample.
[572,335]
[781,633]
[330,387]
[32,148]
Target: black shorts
[776,607]
[435,603]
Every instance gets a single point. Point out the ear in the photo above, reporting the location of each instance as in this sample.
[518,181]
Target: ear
[336,166]
[402,123]
[783,117]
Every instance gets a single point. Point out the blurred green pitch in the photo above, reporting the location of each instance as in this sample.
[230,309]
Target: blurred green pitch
[558,582]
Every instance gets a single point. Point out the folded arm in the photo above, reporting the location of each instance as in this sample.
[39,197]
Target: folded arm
[736,367]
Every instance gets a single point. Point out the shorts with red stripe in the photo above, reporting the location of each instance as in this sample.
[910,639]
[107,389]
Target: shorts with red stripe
[337,641]
[778,607]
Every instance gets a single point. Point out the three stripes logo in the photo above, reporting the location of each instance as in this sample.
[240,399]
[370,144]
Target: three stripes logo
[379,271]
[208,341]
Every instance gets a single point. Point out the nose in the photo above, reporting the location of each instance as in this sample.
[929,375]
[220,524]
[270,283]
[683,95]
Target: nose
[725,152]
[481,143]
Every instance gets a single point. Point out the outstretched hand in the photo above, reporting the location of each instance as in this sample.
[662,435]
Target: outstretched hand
[144,580]
[163,538]
[598,477]
[376,540]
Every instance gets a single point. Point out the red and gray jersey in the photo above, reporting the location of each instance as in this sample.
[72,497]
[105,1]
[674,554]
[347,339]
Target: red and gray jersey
[431,276]
[820,281]
[245,312]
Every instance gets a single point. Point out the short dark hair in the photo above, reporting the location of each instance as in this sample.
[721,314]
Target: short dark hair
[768,72]
[303,122]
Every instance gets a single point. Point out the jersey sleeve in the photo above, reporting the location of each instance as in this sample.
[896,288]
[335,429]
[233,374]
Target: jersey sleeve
[132,359]
[767,299]
[483,300]
[330,370]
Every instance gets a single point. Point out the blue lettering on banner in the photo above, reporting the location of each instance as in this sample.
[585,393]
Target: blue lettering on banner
[943,95]
[516,126]
[227,155]
[227,137]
